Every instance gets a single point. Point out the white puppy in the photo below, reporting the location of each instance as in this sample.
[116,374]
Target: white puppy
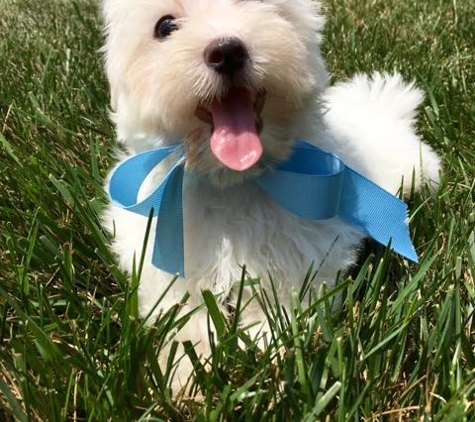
[237,82]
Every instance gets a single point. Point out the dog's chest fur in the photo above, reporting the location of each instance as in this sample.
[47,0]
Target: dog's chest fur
[225,229]
[243,225]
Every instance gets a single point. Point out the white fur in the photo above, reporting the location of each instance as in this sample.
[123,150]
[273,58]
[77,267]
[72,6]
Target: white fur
[228,222]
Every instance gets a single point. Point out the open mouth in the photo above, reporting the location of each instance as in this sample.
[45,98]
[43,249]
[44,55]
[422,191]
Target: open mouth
[236,123]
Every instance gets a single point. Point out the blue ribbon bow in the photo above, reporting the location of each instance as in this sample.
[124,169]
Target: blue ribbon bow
[312,184]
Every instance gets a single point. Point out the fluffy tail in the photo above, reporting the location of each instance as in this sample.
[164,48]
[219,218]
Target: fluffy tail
[371,119]
[385,93]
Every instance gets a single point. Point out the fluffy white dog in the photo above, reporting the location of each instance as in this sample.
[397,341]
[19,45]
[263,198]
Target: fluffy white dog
[237,82]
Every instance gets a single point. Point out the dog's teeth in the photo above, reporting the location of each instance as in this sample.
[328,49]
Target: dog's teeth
[204,115]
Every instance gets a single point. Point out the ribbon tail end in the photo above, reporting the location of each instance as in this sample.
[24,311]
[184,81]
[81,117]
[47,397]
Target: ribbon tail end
[171,268]
[411,256]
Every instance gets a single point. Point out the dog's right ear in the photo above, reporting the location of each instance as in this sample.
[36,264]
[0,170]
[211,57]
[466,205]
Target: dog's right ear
[113,99]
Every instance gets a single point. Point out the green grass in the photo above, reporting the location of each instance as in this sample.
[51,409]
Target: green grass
[402,348]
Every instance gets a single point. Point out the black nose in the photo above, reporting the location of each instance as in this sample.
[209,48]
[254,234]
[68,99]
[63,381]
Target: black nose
[226,55]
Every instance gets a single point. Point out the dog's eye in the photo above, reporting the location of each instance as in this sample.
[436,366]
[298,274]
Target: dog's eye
[165,26]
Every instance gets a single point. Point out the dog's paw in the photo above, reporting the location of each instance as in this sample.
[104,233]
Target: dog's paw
[191,342]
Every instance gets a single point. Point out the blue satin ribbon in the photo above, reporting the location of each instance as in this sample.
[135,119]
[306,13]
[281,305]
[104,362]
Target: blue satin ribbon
[312,184]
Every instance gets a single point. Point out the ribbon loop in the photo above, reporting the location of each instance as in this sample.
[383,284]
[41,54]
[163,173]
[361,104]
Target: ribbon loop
[127,179]
[309,184]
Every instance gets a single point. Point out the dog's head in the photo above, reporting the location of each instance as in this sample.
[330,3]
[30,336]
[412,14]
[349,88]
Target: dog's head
[234,80]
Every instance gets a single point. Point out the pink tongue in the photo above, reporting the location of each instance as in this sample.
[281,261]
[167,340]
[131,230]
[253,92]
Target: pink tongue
[235,141]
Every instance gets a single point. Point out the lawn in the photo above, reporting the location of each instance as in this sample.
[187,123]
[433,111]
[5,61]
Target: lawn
[402,346]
